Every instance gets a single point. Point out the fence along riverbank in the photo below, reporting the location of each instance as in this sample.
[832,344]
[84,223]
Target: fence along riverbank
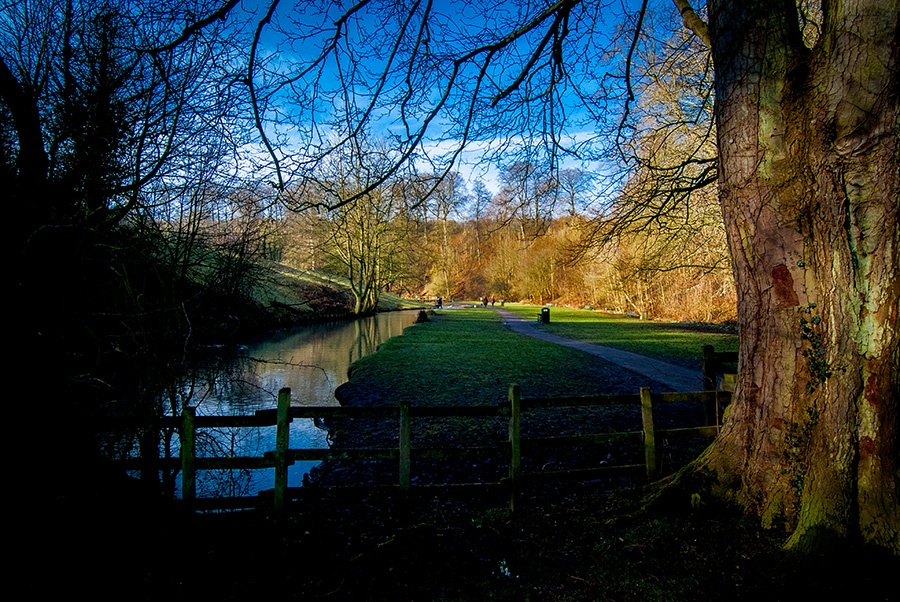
[515,409]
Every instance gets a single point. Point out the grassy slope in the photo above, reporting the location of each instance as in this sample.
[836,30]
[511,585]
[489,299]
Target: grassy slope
[280,284]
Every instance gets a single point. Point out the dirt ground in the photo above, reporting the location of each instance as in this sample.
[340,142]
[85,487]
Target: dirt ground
[573,541]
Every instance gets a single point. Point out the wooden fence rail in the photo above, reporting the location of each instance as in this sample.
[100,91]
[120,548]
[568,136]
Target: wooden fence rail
[514,409]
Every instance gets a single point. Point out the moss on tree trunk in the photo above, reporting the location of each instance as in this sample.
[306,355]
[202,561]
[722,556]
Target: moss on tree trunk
[809,186]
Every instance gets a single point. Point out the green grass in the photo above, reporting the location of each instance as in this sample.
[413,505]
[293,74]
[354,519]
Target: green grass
[669,341]
[468,357]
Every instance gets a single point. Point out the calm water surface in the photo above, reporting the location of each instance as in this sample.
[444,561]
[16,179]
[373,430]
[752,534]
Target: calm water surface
[311,361]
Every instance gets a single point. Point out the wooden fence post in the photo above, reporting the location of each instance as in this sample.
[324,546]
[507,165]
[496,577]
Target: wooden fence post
[282,440]
[710,369]
[708,365]
[188,455]
[717,414]
[649,435]
[405,435]
[515,445]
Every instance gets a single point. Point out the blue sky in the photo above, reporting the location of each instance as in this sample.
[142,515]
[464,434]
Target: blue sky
[456,25]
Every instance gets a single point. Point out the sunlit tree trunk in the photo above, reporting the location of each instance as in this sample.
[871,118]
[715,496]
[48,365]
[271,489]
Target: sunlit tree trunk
[809,186]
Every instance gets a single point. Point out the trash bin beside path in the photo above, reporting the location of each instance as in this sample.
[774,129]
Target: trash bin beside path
[544,318]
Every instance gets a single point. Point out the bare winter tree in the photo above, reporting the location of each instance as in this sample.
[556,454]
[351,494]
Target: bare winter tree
[806,139]
[117,116]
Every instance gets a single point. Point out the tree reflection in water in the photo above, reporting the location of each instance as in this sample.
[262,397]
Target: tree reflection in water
[312,361]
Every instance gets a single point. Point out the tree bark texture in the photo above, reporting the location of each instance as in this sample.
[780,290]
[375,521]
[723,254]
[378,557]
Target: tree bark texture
[809,186]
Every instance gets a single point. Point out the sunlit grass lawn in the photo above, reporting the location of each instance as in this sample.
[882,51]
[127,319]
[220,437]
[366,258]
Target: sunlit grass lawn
[662,340]
[468,357]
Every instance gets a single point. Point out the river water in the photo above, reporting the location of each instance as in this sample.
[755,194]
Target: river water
[312,361]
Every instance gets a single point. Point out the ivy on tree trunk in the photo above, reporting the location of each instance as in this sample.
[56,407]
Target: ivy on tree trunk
[809,187]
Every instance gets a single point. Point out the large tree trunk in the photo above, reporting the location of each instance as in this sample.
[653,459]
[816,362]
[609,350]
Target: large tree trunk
[809,185]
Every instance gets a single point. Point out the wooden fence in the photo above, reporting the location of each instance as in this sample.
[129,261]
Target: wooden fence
[515,409]
[715,363]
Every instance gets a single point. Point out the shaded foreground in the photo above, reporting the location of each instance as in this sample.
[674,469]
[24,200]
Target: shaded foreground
[572,543]
[568,541]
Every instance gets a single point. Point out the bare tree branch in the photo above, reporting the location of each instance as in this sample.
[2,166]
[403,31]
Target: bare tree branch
[628,61]
[693,22]
[197,26]
[253,99]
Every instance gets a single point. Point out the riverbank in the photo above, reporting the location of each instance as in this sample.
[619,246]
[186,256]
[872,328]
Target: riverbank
[470,357]
[282,298]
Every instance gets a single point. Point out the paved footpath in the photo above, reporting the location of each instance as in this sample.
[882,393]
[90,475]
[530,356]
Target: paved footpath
[676,377]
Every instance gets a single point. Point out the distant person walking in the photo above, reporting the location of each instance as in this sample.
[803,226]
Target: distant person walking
[493,300]
[440,302]
[484,301]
